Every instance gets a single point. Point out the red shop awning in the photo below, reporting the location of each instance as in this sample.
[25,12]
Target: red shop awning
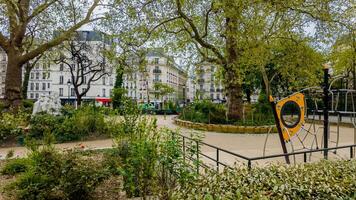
[103,100]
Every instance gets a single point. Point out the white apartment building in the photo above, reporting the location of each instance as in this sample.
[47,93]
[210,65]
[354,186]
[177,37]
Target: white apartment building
[3,63]
[207,85]
[48,77]
[191,89]
[139,83]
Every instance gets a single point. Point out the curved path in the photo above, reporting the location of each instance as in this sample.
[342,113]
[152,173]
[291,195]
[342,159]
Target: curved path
[245,144]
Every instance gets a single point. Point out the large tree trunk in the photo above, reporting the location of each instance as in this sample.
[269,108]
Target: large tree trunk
[232,81]
[79,101]
[13,81]
[26,80]
[234,98]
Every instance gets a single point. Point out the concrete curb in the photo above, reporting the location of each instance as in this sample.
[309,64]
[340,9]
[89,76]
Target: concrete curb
[224,128]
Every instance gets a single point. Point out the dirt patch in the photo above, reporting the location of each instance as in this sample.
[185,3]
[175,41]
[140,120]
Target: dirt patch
[110,189]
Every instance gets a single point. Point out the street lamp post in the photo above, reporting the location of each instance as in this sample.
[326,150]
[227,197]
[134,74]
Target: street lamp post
[68,84]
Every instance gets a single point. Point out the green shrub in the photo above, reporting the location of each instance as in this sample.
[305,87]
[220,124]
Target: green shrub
[147,156]
[57,176]
[42,123]
[79,177]
[16,166]
[11,125]
[211,113]
[205,112]
[323,180]
[86,121]
[138,169]
[27,104]
[73,125]
[111,160]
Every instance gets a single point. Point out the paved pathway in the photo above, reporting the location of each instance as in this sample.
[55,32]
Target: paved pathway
[245,144]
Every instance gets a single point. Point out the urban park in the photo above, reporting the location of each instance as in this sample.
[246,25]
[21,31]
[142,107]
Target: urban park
[171,99]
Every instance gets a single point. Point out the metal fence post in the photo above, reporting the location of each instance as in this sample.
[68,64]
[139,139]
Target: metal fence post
[184,149]
[326,110]
[197,149]
[217,159]
[351,153]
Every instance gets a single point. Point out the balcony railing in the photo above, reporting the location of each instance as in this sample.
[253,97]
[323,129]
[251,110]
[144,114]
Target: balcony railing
[201,80]
[157,80]
[157,71]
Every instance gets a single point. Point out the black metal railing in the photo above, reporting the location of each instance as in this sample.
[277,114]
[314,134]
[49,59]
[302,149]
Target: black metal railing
[191,150]
[157,71]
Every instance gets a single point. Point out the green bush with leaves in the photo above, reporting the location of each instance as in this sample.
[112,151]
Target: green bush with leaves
[52,175]
[322,180]
[72,125]
[148,155]
[12,124]
[208,112]
[44,123]
[205,111]
[16,166]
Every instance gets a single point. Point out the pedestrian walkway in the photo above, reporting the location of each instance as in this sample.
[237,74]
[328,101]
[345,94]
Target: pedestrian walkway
[250,145]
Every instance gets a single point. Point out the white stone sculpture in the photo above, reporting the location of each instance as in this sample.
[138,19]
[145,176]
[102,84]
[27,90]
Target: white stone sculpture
[50,104]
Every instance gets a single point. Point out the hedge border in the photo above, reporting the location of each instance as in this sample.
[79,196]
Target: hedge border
[223,128]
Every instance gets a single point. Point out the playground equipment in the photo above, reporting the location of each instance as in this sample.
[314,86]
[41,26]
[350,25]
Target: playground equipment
[291,112]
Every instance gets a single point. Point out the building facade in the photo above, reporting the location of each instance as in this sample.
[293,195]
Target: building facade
[50,77]
[191,89]
[207,85]
[159,68]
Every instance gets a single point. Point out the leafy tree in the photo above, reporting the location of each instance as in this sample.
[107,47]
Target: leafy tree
[161,90]
[232,33]
[343,56]
[16,19]
[118,91]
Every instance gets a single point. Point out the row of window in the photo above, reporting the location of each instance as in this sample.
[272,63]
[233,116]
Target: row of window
[36,86]
[45,75]
[72,92]
[111,80]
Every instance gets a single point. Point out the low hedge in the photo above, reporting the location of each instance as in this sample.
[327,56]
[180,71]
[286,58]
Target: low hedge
[225,128]
[322,180]
[207,112]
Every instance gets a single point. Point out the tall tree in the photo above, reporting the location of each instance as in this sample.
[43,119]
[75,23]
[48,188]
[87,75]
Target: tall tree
[86,64]
[226,31]
[64,17]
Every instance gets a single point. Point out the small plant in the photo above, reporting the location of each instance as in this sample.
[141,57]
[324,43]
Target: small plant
[16,166]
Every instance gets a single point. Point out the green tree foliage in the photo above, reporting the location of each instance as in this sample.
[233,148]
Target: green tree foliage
[162,89]
[229,33]
[21,19]
[118,92]
[343,56]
